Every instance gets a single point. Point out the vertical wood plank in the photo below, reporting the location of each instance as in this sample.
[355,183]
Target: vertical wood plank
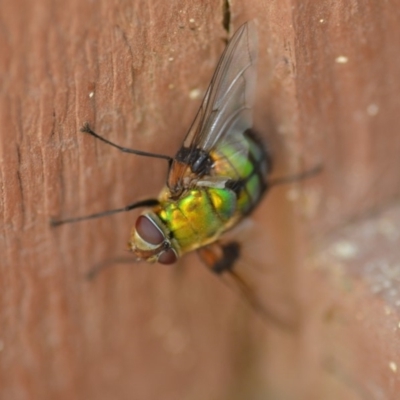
[327,93]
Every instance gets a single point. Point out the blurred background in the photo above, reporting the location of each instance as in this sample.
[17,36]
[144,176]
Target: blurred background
[322,252]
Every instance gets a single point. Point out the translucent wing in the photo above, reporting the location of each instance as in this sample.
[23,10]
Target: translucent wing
[229,99]
[226,111]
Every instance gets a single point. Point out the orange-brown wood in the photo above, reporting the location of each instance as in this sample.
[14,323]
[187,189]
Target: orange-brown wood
[327,93]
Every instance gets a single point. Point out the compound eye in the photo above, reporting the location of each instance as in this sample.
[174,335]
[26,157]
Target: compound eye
[148,231]
[167,257]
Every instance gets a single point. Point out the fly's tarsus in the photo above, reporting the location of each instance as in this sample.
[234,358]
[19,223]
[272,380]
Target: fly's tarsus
[96,269]
[86,128]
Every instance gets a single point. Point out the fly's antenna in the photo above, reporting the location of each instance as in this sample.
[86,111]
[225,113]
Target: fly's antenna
[143,203]
[86,129]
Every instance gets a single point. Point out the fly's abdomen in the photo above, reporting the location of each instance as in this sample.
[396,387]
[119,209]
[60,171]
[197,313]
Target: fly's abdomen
[199,216]
[245,162]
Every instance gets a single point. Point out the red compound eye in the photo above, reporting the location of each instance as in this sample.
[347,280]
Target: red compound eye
[148,231]
[167,257]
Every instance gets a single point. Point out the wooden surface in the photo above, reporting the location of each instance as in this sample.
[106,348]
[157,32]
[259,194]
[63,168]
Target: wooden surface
[327,93]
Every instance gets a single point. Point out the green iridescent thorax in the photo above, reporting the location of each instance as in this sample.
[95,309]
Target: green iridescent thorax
[199,217]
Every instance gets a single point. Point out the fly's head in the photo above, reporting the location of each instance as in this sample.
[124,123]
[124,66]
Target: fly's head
[150,240]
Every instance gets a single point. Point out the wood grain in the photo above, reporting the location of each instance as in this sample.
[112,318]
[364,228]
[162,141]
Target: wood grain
[327,93]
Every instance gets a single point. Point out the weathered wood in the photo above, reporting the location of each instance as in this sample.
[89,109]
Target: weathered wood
[327,93]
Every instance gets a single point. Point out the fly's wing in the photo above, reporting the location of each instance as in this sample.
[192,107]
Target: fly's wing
[226,111]
[228,102]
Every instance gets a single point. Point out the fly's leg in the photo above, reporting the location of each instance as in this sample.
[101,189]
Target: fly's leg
[221,259]
[145,203]
[97,268]
[137,204]
[295,178]
[86,129]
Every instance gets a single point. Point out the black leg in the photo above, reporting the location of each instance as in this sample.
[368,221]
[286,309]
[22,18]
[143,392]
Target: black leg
[96,269]
[294,178]
[86,129]
[143,203]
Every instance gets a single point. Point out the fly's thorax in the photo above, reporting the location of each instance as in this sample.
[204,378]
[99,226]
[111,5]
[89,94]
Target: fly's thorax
[199,216]
[150,240]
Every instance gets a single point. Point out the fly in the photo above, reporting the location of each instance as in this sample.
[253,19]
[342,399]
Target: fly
[216,178]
